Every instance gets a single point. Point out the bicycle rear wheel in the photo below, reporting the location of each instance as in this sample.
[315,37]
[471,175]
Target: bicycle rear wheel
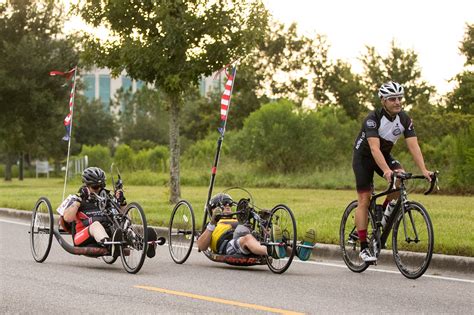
[349,239]
[413,240]
[135,235]
[181,232]
[41,229]
[282,216]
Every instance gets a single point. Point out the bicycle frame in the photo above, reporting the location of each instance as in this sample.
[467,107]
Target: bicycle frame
[399,206]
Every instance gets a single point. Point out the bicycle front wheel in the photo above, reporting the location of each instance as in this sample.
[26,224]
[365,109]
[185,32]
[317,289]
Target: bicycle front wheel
[41,229]
[181,232]
[349,239]
[413,240]
[282,216]
[135,235]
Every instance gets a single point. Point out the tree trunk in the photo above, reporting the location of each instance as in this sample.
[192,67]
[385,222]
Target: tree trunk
[175,190]
[21,166]
[8,167]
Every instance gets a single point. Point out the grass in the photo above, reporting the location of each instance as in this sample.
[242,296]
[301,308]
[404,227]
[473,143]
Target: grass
[452,216]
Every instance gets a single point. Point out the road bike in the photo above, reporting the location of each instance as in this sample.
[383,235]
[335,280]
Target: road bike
[409,224]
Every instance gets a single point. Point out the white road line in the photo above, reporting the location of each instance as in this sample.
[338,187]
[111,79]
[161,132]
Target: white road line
[15,222]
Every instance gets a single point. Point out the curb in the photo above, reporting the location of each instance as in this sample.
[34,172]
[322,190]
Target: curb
[461,264]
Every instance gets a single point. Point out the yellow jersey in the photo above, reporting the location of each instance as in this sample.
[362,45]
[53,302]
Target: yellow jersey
[223,231]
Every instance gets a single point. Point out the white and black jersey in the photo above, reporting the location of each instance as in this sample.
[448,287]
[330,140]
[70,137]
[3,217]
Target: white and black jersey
[388,129]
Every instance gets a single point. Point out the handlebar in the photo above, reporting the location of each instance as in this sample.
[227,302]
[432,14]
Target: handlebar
[404,176]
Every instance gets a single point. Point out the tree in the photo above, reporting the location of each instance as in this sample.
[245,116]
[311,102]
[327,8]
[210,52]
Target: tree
[32,105]
[172,44]
[462,97]
[467,45]
[400,66]
[93,125]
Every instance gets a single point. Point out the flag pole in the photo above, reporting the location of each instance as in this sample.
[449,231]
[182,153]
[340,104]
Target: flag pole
[71,110]
[219,146]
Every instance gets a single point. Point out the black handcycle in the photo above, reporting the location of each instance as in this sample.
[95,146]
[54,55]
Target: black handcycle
[182,233]
[409,223]
[132,223]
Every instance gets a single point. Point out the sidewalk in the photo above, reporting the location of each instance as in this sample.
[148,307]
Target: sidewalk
[326,251]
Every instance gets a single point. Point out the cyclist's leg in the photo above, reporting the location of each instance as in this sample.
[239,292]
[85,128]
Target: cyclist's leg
[364,172]
[97,231]
[249,244]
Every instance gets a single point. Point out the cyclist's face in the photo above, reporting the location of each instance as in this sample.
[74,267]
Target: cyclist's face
[227,209]
[393,105]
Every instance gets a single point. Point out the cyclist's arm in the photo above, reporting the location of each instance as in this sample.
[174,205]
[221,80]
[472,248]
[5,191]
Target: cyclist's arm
[414,148]
[71,211]
[374,144]
[204,240]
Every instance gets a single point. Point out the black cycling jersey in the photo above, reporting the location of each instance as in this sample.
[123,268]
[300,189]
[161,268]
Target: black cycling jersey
[380,124]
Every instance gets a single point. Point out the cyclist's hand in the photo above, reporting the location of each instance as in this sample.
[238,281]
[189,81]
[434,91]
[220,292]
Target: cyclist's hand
[84,193]
[427,174]
[120,197]
[388,175]
[216,215]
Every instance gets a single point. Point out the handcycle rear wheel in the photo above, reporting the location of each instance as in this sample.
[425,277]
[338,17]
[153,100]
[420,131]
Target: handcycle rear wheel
[282,216]
[349,239]
[41,229]
[135,235]
[413,241]
[181,231]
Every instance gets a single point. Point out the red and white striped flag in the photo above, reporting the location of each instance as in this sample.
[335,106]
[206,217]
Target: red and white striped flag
[68,119]
[225,99]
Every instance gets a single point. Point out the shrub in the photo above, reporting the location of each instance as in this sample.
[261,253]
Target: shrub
[124,157]
[98,156]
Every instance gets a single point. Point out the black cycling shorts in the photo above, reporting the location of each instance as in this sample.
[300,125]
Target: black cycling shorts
[364,168]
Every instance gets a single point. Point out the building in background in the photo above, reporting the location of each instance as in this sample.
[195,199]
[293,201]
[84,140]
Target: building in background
[99,85]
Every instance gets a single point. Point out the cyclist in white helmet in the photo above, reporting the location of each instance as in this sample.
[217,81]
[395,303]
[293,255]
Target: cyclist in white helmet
[371,153]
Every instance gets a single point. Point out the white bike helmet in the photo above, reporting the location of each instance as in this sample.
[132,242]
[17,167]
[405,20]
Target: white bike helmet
[391,89]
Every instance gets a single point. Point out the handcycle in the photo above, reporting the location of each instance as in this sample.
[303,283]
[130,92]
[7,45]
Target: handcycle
[409,223]
[132,223]
[182,233]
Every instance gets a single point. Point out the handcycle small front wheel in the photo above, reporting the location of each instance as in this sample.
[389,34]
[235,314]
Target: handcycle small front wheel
[181,231]
[413,240]
[135,237]
[41,229]
[283,217]
[109,259]
[349,239]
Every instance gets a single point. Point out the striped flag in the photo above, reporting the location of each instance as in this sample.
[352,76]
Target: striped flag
[68,119]
[225,99]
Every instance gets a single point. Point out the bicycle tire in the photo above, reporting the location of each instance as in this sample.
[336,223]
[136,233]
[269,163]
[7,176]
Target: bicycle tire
[135,236]
[282,216]
[181,231]
[413,256]
[41,229]
[349,240]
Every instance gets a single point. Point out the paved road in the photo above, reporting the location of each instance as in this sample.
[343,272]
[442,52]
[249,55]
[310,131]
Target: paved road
[79,284]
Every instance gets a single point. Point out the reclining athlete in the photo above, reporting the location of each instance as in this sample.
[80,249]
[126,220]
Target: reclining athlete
[90,225]
[229,237]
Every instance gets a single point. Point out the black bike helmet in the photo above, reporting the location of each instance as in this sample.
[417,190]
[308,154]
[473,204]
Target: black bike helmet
[93,176]
[221,200]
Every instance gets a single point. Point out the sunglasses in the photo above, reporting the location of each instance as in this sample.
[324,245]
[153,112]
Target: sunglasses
[227,203]
[395,98]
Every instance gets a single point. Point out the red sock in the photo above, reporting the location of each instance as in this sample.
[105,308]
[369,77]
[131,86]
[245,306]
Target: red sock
[362,235]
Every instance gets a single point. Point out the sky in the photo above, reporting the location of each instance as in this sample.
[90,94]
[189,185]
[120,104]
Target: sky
[432,29]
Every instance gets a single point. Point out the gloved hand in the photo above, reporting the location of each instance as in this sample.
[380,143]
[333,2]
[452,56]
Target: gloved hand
[216,215]
[84,193]
[120,197]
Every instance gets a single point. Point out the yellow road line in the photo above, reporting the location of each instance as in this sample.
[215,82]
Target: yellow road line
[218,300]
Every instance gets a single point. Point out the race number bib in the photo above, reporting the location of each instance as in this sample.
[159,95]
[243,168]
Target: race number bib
[66,203]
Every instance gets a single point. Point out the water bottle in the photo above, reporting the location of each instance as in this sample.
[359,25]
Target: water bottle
[388,212]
